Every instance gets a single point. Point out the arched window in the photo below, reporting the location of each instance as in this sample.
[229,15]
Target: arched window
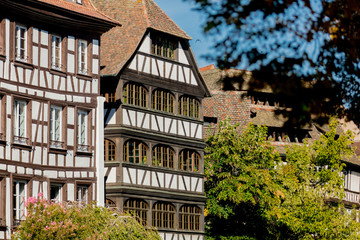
[135,152]
[163,156]
[162,100]
[163,215]
[189,160]
[138,208]
[189,106]
[189,217]
[109,150]
[135,94]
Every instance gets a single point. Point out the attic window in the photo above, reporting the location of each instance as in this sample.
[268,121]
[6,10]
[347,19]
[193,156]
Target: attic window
[163,46]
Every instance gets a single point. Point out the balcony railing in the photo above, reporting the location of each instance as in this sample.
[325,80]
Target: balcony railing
[353,197]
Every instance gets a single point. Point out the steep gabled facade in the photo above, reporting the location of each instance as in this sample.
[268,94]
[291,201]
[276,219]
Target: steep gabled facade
[153,120]
[51,109]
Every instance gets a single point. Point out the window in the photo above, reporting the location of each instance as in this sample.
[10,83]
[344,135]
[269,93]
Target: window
[2,202]
[82,57]
[163,215]
[56,192]
[137,208]
[189,160]
[135,94]
[79,1]
[55,126]
[162,101]
[109,150]
[135,152]
[189,218]
[19,197]
[82,193]
[19,120]
[110,97]
[189,106]
[21,43]
[82,120]
[56,52]
[163,156]
[163,46]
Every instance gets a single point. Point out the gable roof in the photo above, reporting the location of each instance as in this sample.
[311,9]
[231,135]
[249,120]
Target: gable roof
[136,16]
[86,9]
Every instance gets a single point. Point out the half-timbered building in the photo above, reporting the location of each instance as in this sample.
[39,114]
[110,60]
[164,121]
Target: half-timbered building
[153,117]
[51,110]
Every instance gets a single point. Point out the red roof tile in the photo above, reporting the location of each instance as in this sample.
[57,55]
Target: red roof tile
[86,8]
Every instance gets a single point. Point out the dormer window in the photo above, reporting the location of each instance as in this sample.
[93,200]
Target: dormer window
[163,45]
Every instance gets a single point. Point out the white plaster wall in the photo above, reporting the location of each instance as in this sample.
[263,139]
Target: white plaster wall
[146,45]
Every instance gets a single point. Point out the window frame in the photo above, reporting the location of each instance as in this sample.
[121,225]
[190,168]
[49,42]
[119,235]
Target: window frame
[19,138]
[139,208]
[190,218]
[82,66]
[18,55]
[135,94]
[142,152]
[160,42]
[163,216]
[82,138]
[192,155]
[59,189]
[54,142]
[163,100]
[189,106]
[164,152]
[54,57]
[79,189]
[19,201]
[108,144]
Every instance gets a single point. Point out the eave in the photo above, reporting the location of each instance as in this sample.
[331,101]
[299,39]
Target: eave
[54,17]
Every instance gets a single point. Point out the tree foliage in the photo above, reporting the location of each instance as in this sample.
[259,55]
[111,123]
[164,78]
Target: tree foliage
[253,194]
[306,51]
[59,221]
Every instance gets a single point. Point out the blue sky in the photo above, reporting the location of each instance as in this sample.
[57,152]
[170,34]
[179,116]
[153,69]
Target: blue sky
[190,21]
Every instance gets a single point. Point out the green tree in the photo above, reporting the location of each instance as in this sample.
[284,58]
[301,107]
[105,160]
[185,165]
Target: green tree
[59,221]
[306,51]
[253,194]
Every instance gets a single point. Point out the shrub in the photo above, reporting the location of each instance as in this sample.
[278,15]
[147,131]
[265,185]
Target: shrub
[48,220]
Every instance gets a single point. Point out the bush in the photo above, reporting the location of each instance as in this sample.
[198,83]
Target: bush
[48,220]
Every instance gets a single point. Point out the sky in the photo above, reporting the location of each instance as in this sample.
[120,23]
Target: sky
[191,21]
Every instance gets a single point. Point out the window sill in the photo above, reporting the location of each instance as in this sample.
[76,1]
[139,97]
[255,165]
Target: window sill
[24,64]
[59,72]
[22,143]
[111,164]
[83,150]
[84,76]
[58,150]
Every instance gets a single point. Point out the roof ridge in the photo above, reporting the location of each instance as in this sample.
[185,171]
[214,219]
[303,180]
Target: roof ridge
[145,13]
[103,14]
[151,24]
